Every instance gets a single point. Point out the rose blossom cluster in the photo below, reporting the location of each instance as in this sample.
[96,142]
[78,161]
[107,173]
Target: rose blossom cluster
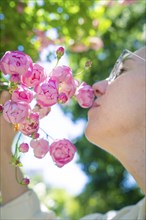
[28,81]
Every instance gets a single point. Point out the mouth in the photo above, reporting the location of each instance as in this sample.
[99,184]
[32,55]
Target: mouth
[95,104]
[93,109]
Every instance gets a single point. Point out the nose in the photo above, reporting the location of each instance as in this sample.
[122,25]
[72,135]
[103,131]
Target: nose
[100,87]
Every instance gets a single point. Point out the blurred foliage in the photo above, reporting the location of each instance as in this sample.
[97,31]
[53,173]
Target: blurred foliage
[97,30]
[64,205]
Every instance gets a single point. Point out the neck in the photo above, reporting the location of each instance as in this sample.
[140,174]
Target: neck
[131,153]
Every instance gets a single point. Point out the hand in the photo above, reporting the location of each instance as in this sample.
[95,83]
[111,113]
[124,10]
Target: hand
[7,132]
[9,187]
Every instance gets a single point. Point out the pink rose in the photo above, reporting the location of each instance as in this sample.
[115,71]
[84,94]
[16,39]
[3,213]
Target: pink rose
[15,78]
[40,147]
[24,147]
[43,111]
[15,62]
[63,76]
[22,94]
[36,77]
[47,93]
[62,152]
[62,98]
[68,87]
[61,73]
[15,112]
[30,125]
[85,95]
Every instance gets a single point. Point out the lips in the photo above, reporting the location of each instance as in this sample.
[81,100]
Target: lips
[95,104]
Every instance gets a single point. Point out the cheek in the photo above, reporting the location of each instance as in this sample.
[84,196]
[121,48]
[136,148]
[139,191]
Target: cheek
[127,103]
[105,123]
[98,124]
[122,109]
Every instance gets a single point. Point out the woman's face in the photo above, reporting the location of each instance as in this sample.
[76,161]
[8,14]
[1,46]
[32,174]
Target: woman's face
[119,108]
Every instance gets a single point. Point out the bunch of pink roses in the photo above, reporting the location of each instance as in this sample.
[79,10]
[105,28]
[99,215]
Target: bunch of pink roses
[28,81]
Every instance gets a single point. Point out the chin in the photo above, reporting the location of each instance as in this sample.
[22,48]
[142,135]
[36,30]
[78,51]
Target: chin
[95,136]
[89,134]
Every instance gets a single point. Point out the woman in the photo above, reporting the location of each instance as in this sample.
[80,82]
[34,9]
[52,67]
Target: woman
[117,121]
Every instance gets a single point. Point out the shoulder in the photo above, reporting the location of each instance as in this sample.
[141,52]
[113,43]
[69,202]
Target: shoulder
[135,212]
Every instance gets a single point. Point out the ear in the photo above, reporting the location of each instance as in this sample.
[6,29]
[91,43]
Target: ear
[5,96]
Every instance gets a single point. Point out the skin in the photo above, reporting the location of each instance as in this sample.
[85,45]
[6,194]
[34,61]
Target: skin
[9,187]
[117,120]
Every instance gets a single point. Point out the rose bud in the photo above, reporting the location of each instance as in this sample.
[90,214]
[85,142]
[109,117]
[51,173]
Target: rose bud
[25,181]
[60,52]
[24,147]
